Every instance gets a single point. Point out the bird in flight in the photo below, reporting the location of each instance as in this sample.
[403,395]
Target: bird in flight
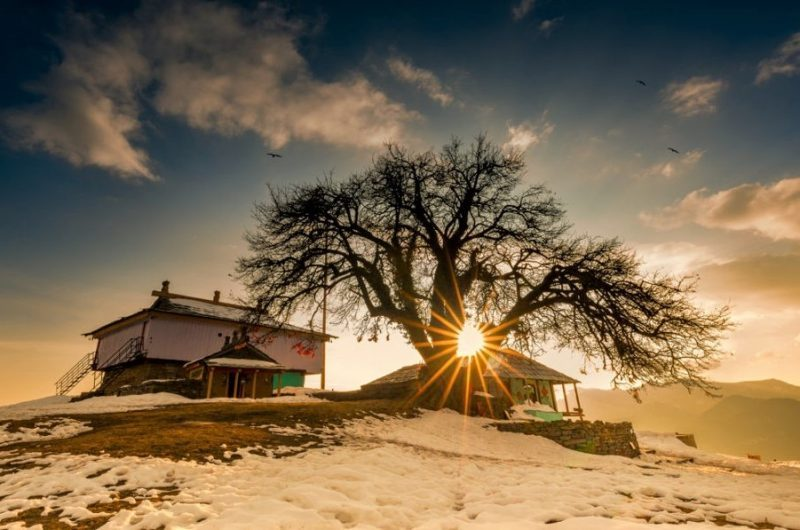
[274,155]
[641,82]
[674,150]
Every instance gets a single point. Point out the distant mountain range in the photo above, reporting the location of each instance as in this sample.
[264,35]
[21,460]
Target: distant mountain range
[750,417]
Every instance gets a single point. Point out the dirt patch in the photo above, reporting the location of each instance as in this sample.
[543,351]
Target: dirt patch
[123,499]
[198,431]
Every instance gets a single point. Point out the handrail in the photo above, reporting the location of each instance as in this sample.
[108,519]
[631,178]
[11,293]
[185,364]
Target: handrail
[127,352]
[74,374]
[130,350]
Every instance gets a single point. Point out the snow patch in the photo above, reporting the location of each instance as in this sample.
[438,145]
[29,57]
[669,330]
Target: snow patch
[436,471]
[61,405]
[43,430]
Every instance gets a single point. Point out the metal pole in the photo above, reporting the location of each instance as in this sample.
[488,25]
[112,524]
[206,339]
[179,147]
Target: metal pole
[324,315]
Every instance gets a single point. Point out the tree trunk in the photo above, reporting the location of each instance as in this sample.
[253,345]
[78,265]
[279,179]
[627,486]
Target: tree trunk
[451,382]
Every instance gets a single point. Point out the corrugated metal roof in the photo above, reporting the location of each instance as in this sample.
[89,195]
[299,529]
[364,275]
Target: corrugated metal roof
[507,364]
[244,363]
[188,306]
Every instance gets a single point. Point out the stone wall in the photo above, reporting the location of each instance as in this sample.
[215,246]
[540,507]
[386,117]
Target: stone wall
[596,437]
[139,372]
[386,391]
[183,387]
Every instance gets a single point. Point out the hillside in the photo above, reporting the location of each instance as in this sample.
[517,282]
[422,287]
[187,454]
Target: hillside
[740,425]
[756,417]
[273,463]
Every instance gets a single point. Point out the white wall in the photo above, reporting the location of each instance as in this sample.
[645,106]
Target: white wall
[112,342]
[187,339]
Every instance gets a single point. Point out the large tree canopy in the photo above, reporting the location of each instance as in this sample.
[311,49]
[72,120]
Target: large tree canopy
[423,242]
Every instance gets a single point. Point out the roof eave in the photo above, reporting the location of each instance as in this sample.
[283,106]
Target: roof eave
[118,322]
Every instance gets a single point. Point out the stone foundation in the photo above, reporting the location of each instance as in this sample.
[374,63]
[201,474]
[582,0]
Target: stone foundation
[596,437]
[183,387]
[138,373]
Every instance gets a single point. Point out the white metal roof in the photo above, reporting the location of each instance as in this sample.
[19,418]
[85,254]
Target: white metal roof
[227,362]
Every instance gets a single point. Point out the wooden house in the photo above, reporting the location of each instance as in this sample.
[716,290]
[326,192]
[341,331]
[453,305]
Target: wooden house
[511,379]
[157,342]
[527,379]
[239,370]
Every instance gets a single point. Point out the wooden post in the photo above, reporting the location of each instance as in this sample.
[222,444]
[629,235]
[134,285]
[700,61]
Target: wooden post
[210,382]
[255,382]
[280,377]
[578,399]
[553,396]
[236,384]
[566,403]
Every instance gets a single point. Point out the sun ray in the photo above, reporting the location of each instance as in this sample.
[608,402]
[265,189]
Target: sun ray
[467,386]
[436,375]
[449,387]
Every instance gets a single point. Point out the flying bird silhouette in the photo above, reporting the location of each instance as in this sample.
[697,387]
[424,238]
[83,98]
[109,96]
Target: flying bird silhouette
[674,150]
[274,155]
[641,82]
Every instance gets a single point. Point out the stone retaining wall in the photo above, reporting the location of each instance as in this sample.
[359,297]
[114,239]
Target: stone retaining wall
[595,437]
[138,372]
[183,387]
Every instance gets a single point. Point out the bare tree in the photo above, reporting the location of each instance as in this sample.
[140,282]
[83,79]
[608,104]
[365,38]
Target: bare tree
[424,242]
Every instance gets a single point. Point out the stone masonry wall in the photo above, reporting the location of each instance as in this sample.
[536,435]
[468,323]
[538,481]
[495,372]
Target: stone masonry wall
[183,387]
[139,372]
[596,437]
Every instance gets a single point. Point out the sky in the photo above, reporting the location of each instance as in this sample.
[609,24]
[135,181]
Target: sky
[133,141]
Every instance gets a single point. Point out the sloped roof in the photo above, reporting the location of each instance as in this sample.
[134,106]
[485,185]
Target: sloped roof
[506,364]
[402,375]
[240,355]
[194,307]
[513,364]
[200,308]
[243,363]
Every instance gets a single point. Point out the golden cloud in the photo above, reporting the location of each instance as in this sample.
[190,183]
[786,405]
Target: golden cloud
[769,210]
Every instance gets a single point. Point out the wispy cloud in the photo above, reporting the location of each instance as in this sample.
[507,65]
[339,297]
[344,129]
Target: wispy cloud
[770,210]
[424,80]
[695,96]
[89,111]
[785,61]
[522,136]
[547,26]
[521,10]
[676,257]
[675,168]
[218,67]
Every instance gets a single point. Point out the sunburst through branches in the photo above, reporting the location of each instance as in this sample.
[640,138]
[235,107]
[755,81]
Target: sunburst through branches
[470,340]
[468,350]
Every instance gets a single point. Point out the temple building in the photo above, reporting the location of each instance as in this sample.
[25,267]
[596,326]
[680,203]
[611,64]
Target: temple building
[182,339]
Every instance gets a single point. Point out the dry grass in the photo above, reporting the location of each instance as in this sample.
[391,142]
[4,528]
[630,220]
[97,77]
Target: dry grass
[123,499]
[196,431]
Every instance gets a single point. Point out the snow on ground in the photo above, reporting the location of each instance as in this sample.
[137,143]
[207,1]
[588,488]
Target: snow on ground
[666,444]
[55,405]
[436,471]
[43,430]
[60,405]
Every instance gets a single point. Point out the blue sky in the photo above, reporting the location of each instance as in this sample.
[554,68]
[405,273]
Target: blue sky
[133,145]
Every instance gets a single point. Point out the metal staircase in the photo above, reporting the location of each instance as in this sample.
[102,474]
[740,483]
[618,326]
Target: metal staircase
[129,351]
[75,374]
